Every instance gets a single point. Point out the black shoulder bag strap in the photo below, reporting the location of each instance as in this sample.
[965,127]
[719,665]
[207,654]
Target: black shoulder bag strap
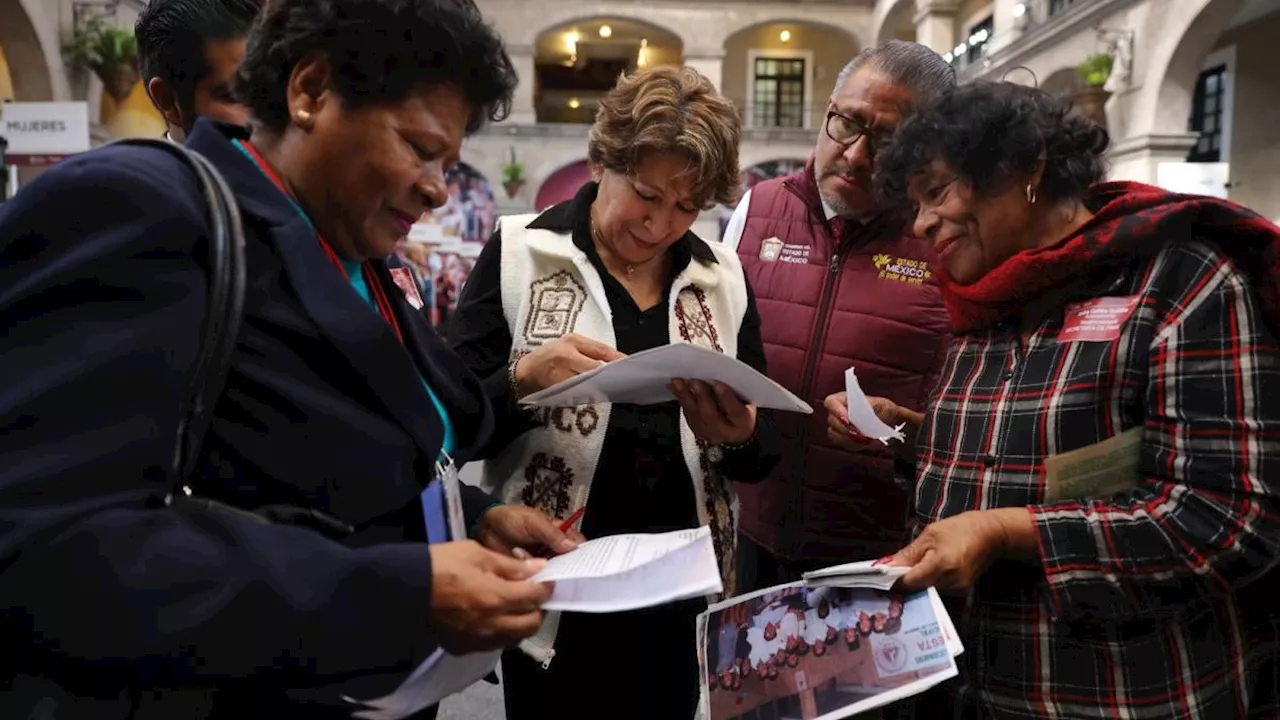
[221,331]
[223,316]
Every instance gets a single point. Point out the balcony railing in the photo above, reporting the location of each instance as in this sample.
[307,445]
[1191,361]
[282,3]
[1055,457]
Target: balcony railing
[1037,24]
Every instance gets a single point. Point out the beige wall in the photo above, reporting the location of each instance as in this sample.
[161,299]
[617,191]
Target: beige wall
[135,117]
[831,50]
[1255,126]
[6,80]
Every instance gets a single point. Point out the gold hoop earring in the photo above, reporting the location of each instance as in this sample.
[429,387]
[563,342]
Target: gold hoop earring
[1031,195]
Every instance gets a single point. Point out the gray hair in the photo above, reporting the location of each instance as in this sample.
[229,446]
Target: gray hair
[911,65]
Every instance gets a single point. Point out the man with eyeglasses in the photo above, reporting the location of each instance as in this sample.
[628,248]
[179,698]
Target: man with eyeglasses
[840,283]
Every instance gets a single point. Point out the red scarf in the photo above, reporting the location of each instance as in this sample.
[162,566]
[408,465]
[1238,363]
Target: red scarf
[370,277]
[1134,221]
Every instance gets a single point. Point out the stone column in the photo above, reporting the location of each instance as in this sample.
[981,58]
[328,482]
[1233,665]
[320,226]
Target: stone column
[522,106]
[935,22]
[1007,26]
[1138,158]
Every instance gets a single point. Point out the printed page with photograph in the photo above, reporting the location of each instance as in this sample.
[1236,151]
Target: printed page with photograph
[821,653]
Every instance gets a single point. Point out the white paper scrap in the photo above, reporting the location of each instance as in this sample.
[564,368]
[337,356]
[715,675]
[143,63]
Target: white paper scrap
[863,417]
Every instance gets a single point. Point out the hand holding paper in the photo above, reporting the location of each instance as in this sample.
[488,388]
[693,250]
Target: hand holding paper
[863,417]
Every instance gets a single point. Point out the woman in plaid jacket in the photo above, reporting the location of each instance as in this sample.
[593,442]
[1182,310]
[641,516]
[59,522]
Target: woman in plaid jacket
[1098,469]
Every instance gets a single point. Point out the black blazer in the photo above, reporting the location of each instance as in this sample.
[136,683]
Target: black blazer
[102,297]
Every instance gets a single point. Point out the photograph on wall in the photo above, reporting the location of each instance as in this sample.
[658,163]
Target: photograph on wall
[443,245]
[820,652]
[755,174]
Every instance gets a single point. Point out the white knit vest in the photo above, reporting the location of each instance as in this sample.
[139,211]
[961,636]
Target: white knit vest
[550,289]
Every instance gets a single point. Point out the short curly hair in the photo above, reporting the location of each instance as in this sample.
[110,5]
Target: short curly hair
[989,132]
[671,110]
[380,52]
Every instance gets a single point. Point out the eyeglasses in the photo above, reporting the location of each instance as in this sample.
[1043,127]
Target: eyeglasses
[846,131]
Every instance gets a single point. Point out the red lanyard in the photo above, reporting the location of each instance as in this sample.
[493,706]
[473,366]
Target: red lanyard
[370,277]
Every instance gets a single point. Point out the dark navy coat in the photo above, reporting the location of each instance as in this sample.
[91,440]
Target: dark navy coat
[102,298]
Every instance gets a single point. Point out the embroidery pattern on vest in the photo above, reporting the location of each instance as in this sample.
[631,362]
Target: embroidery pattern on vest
[694,318]
[548,479]
[556,301]
[583,418]
[696,326]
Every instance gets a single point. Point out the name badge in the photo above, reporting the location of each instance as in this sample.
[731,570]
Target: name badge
[442,504]
[1097,320]
[404,280]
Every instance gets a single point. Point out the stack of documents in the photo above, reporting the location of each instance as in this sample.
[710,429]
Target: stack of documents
[865,574]
[627,572]
[609,574]
[642,379]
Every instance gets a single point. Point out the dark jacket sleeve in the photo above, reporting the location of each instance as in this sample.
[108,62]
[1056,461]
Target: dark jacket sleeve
[479,334]
[756,460]
[102,302]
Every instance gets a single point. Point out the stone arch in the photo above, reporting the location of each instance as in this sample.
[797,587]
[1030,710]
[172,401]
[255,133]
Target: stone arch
[885,17]
[825,47]
[557,19]
[31,47]
[741,26]
[576,62]
[561,184]
[1185,38]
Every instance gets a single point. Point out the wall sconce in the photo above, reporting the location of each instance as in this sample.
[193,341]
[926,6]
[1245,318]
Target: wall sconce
[785,36]
[605,31]
[574,104]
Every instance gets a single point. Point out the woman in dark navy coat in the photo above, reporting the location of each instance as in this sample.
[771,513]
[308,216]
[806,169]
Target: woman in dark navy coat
[339,399]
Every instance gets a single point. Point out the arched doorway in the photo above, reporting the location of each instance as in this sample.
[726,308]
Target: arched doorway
[576,63]
[24,64]
[780,73]
[562,185]
[894,20]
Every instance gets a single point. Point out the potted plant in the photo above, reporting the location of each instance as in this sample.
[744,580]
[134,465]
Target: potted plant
[512,175]
[110,52]
[1091,97]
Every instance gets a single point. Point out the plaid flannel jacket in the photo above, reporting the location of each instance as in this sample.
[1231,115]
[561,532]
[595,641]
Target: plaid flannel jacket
[1153,602]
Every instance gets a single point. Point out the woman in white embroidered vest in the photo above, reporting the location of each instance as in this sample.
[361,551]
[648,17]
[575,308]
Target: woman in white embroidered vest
[615,271]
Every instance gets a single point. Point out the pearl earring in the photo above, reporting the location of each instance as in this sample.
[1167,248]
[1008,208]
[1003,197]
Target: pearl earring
[303,116]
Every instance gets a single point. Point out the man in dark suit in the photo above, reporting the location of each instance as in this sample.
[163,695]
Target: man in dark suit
[188,52]
[340,399]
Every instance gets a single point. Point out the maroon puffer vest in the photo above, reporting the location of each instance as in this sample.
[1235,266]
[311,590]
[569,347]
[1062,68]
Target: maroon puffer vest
[868,301]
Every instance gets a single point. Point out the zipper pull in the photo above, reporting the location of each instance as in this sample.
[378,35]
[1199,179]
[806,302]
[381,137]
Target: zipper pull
[835,263]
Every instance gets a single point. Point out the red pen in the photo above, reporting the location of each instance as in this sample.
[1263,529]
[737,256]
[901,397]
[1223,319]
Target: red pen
[564,526]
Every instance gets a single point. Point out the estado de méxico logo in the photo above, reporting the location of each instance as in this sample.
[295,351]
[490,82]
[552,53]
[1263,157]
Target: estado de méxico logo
[905,270]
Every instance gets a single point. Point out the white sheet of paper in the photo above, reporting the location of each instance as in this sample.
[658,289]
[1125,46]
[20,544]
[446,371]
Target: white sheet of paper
[862,417]
[857,574]
[436,678]
[627,572]
[642,379]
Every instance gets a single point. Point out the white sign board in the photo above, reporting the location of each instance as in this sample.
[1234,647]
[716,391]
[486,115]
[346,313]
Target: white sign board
[1194,178]
[40,133]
